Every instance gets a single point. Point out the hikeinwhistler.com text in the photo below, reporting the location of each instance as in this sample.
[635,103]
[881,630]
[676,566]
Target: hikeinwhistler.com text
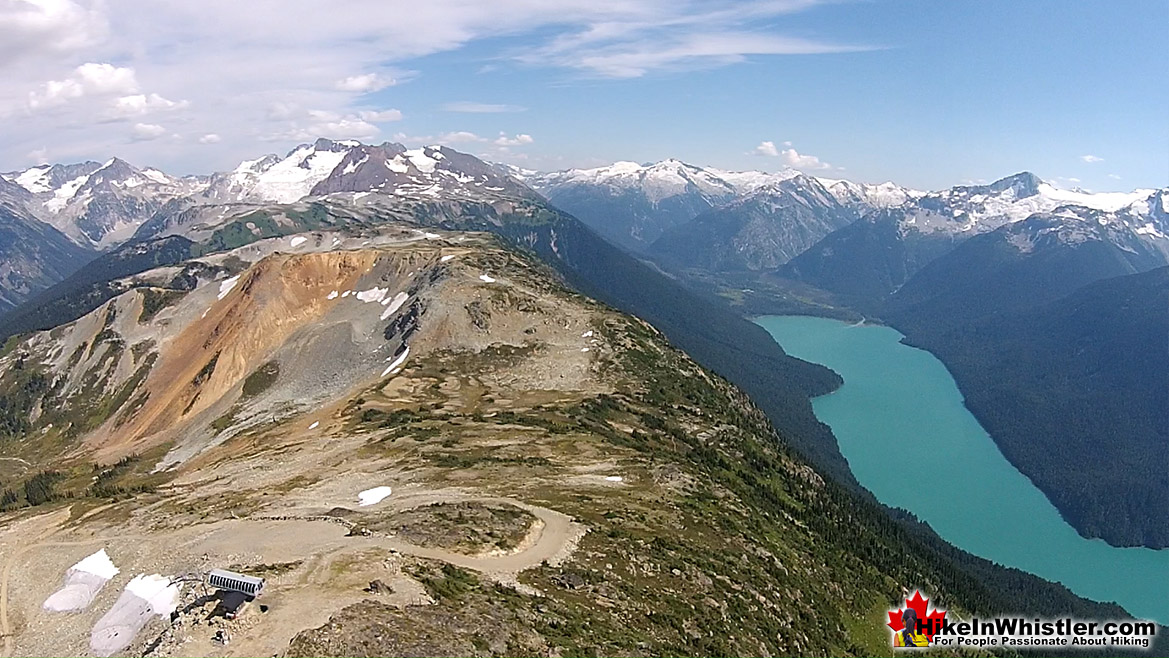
[1020,632]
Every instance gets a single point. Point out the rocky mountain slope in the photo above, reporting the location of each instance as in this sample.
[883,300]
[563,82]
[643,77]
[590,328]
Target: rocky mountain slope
[33,256]
[428,444]
[98,205]
[867,260]
[759,231]
[708,331]
[633,205]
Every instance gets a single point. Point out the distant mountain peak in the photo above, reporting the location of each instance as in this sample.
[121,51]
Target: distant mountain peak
[1024,184]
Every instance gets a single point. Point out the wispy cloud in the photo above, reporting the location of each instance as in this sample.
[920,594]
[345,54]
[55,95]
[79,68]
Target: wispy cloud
[1091,159]
[220,66]
[365,82]
[480,108]
[144,132]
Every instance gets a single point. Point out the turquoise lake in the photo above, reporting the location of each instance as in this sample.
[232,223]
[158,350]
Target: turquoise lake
[898,399]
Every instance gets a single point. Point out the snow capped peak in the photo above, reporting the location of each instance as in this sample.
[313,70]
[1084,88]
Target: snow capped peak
[35,179]
[656,180]
[1022,184]
[880,195]
[282,180]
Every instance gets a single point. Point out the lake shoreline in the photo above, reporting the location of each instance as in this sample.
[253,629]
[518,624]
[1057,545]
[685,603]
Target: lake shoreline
[898,399]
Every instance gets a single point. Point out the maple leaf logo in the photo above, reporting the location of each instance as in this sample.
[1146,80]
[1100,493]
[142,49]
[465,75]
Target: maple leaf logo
[920,606]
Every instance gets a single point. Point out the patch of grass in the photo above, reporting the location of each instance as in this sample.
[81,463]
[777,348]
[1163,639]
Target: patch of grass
[269,570]
[261,380]
[11,344]
[156,299]
[224,421]
[450,582]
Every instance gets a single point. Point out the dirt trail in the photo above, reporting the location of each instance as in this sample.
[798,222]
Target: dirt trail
[51,522]
[555,538]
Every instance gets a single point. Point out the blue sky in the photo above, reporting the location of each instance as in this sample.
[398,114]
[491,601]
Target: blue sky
[925,93]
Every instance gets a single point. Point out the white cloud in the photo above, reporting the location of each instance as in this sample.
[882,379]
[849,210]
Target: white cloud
[365,83]
[797,160]
[1114,176]
[144,132]
[790,157]
[521,139]
[480,108]
[141,104]
[47,27]
[210,138]
[1090,159]
[90,79]
[380,116]
[458,137]
[766,148]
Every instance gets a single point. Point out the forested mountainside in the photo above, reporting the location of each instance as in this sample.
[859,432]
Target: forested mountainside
[1070,379]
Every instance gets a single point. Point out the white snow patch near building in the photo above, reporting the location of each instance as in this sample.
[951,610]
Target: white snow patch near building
[584,349]
[98,564]
[227,285]
[486,278]
[315,425]
[82,583]
[299,240]
[373,496]
[333,295]
[156,590]
[587,334]
[446,258]
[614,478]
[144,597]
[431,236]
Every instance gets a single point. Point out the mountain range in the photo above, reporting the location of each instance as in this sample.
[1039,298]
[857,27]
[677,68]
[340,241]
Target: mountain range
[926,261]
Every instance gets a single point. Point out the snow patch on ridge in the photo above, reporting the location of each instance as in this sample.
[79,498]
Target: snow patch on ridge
[227,285]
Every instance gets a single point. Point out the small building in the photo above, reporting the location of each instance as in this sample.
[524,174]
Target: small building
[231,581]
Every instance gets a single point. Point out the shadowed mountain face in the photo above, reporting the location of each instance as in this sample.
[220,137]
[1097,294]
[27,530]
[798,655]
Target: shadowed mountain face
[632,205]
[33,256]
[868,260]
[1055,330]
[760,231]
